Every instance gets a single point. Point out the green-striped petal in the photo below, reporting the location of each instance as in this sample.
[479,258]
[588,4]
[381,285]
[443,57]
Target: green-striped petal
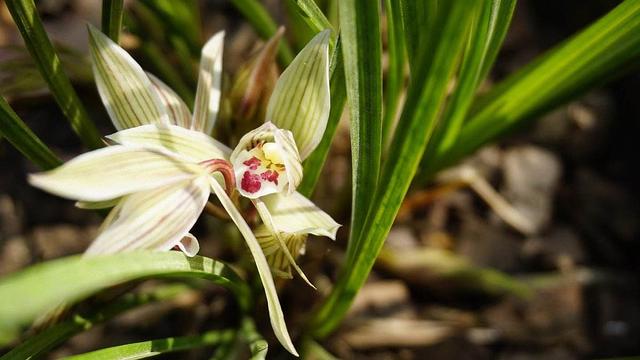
[191,144]
[300,100]
[273,303]
[207,101]
[277,259]
[177,110]
[295,214]
[110,172]
[125,89]
[157,219]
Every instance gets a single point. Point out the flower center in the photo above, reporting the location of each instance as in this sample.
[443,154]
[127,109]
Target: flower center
[264,165]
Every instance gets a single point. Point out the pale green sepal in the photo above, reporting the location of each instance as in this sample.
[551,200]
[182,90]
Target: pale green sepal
[300,100]
[95,205]
[124,88]
[273,303]
[207,103]
[177,110]
[111,172]
[263,211]
[190,144]
[295,214]
[156,219]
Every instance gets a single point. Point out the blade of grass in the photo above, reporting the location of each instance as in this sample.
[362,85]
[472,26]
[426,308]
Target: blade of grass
[362,48]
[257,345]
[608,47]
[28,21]
[51,337]
[309,13]
[424,103]
[487,33]
[418,20]
[112,18]
[32,292]
[395,75]
[146,349]
[264,25]
[23,139]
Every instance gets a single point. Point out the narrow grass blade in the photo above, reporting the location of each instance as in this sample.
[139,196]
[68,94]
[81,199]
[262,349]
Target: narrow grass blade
[424,103]
[257,345]
[32,292]
[313,17]
[146,349]
[486,36]
[264,25]
[112,18]
[50,337]
[419,17]
[28,21]
[360,27]
[608,47]
[19,135]
[395,75]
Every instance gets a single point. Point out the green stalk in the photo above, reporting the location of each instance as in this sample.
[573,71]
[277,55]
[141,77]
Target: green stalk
[424,102]
[264,25]
[362,49]
[395,75]
[35,38]
[23,139]
[112,18]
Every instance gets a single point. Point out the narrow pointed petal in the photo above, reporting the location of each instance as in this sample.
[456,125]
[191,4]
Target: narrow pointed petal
[157,219]
[268,222]
[177,110]
[111,172]
[295,214]
[273,303]
[193,145]
[124,88]
[189,245]
[207,103]
[300,100]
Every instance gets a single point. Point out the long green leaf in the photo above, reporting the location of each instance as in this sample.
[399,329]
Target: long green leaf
[606,48]
[362,48]
[52,336]
[395,75]
[424,102]
[487,33]
[112,18]
[32,292]
[20,136]
[30,25]
[419,18]
[264,25]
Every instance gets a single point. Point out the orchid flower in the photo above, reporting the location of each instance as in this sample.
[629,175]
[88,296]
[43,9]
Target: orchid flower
[162,164]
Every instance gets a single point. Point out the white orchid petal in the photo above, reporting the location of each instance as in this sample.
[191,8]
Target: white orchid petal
[300,99]
[157,219]
[189,245]
[177,111]
[124,88]
[110,172]
[273,303]
[207,103]
[268,222]
[291,157]
[191,144]
[295,214]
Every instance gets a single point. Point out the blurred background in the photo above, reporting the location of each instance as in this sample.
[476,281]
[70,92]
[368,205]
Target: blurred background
[455,280]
